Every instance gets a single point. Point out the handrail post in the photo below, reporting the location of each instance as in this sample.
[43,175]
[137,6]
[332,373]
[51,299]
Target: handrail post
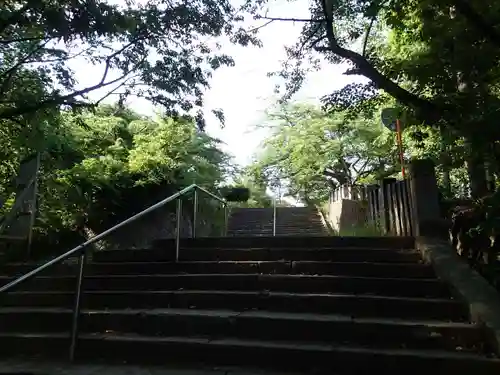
[226,214]
[195,212]
[82,259]
[178,229]
[274,217]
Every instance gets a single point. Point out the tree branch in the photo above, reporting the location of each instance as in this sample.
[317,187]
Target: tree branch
[260,27]
[365,42]
[366,69]
[113,91]
[11,113]
[14,17]
[8,74]
[23,60]
[18,40]
[69,57]
[290,19]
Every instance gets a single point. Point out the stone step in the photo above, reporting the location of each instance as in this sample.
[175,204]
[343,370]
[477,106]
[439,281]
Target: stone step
[269,224]
[396,242]
[255,325]
[318,229]
[426,288]
[269,354]
[301,228]
[389,270]
[269,221]
[279,220]
[297,230]
[279,214]
[343,304]
[257,233]
[348,254]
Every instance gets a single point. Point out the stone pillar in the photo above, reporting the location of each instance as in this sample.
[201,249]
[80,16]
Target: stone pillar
[371,192]
[424,199]
[385,222]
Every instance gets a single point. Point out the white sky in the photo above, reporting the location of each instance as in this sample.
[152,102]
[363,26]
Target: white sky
[244,91]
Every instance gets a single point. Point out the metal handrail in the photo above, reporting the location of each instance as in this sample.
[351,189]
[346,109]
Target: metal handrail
[81,250]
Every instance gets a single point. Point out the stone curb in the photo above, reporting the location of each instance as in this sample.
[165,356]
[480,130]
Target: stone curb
[482,299]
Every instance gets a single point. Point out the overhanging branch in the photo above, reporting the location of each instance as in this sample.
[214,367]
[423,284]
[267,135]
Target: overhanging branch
[365,68]
[68,99]
[291,19]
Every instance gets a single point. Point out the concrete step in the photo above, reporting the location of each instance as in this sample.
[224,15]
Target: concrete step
[279,220]
[363,269]
[269,223]
[255,325]
[231,351]
[278,233]
[292,242]
[425,288]
[302,229]
[348,254]
[298,229]
[343,304]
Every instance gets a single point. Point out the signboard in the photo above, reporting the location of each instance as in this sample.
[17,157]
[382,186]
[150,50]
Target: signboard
[389,118]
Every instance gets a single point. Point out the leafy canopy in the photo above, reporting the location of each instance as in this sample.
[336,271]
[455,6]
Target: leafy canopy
[157,50]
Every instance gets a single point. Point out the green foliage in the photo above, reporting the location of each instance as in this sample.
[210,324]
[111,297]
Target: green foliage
[104,166]
[255,186]
[437,61]
[307,145]
[418,52]
[154,50]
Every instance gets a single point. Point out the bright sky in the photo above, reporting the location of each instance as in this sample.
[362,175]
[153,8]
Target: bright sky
[244,91]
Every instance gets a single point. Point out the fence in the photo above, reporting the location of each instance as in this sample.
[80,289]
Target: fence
[387,207]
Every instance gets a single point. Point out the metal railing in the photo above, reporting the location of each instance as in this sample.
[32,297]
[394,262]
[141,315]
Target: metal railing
[81,250]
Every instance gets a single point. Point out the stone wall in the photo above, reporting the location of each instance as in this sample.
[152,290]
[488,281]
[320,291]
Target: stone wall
[345,214]
[160,223]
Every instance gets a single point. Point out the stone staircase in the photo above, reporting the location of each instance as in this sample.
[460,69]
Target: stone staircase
[302,304]
[290,221]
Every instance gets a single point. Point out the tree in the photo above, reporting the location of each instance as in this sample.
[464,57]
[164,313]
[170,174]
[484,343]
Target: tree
[247,177]
[307,146]
[311,152]
[101,167]
[155,50]
[418,52]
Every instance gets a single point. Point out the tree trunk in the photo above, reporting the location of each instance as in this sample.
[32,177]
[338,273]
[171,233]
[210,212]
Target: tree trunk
[475,156]
[446,181]
[477,172]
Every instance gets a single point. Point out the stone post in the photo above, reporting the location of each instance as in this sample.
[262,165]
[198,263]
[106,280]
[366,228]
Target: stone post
[424,199]
[372,204]
[385,222]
